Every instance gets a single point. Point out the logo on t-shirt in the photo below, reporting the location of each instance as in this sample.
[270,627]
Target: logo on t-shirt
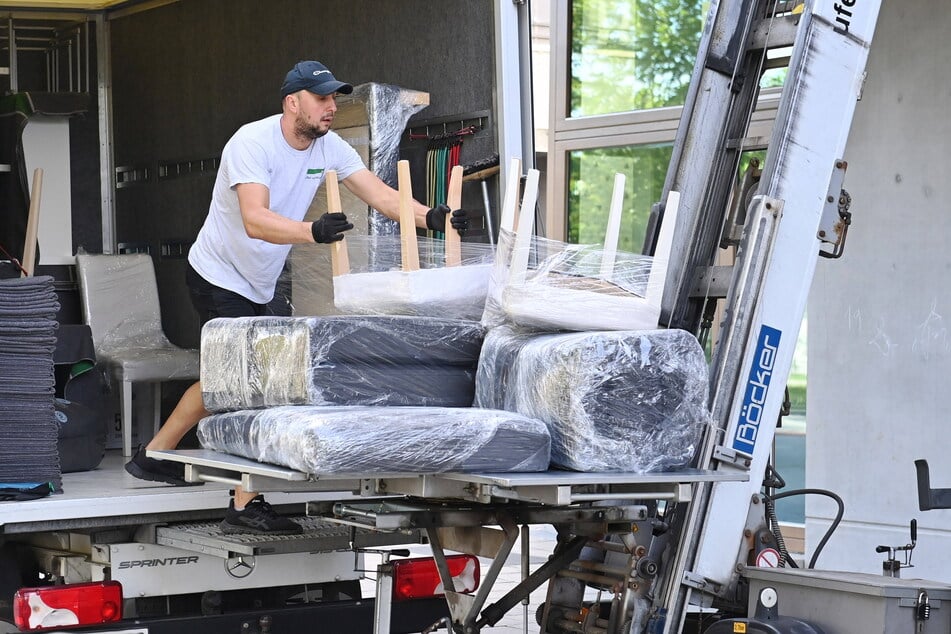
[314,172]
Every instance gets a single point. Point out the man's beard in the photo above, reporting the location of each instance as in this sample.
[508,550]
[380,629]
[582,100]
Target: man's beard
[304,129]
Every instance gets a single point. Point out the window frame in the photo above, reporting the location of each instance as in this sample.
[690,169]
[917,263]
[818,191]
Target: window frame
[635,127]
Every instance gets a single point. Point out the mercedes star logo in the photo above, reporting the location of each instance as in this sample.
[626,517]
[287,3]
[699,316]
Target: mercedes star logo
[239,567]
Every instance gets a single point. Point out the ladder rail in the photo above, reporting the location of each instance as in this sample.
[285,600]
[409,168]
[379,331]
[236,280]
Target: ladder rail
[719,103]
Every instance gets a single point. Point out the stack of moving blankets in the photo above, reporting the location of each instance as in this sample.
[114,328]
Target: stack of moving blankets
[28,429]
[357,394]
[613,401]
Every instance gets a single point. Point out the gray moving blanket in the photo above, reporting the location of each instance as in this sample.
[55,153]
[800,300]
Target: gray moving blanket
[613,401]
[256,362]
[341,440]
[29,454]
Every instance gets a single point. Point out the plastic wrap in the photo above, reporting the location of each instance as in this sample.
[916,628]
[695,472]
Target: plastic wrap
[378,286]
[121,305]
[559,286]
[372,120]
[361,440]
[255,362]
[493,314]
[613,401]
[388,109]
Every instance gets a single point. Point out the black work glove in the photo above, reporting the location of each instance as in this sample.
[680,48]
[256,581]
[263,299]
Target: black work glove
[436,219]
[330,227]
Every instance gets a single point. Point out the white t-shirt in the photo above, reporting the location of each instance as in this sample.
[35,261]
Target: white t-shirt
[223,253]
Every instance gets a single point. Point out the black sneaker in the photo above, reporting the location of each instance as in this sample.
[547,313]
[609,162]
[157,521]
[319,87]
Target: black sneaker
[259,518]
[145,468]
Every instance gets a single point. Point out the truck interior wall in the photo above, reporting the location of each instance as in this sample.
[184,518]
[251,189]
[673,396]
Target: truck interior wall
[186,75]
[879,349]
[86,194]
[32,76]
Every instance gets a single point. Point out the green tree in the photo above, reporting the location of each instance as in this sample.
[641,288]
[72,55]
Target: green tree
[625,55]
[666,43]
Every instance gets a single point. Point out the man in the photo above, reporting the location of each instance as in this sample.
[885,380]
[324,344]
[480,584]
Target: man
[269,172]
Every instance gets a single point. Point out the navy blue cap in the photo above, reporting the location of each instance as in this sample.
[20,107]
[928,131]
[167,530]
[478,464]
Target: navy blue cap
[315,77]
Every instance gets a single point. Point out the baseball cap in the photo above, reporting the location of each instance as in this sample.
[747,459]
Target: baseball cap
[315,77]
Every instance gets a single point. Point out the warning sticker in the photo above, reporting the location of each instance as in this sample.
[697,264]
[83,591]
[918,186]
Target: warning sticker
[768,558]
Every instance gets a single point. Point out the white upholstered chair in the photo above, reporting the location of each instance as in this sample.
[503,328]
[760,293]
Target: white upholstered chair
[121,306]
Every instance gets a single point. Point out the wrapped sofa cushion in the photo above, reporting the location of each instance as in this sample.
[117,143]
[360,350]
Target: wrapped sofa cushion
[341,440]
[613,401]
[253,362]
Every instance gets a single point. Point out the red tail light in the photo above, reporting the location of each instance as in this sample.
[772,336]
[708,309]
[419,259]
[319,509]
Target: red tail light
[419,578]
[75,604]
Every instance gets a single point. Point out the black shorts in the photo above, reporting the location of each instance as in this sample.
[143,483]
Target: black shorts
[213,301]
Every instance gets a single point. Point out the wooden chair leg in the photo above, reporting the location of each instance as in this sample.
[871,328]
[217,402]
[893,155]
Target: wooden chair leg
[409,246]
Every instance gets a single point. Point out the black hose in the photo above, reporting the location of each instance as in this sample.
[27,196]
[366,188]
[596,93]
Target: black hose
[773,522]
[773,480]
[832,527]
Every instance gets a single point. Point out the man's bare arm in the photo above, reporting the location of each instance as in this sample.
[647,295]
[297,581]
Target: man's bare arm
[262,223]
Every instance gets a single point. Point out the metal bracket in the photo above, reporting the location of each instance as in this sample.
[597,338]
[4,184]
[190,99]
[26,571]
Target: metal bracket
[698,582]
[836,218]
[404,515]
[733,457]
[712,281]
[929,498]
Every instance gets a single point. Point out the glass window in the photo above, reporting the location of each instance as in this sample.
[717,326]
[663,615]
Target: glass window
[591,184]
[631,55]
[790,441]
[776,67]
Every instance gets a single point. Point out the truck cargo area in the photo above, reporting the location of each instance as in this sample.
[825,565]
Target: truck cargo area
[533,347]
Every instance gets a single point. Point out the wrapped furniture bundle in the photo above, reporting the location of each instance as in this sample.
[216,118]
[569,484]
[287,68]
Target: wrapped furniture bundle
[255,362]
[551,285]
[381,287]
[565,288]
[438,280]
[613,401]
[340,440]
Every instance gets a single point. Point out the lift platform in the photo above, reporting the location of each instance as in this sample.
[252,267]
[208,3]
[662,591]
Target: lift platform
[557,488]
[476,513]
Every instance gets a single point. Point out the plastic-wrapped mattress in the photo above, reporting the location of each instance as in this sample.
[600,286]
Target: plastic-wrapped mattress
[256,362]
[340,440]
[613,401]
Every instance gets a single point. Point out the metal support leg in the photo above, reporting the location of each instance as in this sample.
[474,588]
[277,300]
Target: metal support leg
[564,554]
[126,418]
[526,571]
[157,407]
[384,593]
[463,608]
